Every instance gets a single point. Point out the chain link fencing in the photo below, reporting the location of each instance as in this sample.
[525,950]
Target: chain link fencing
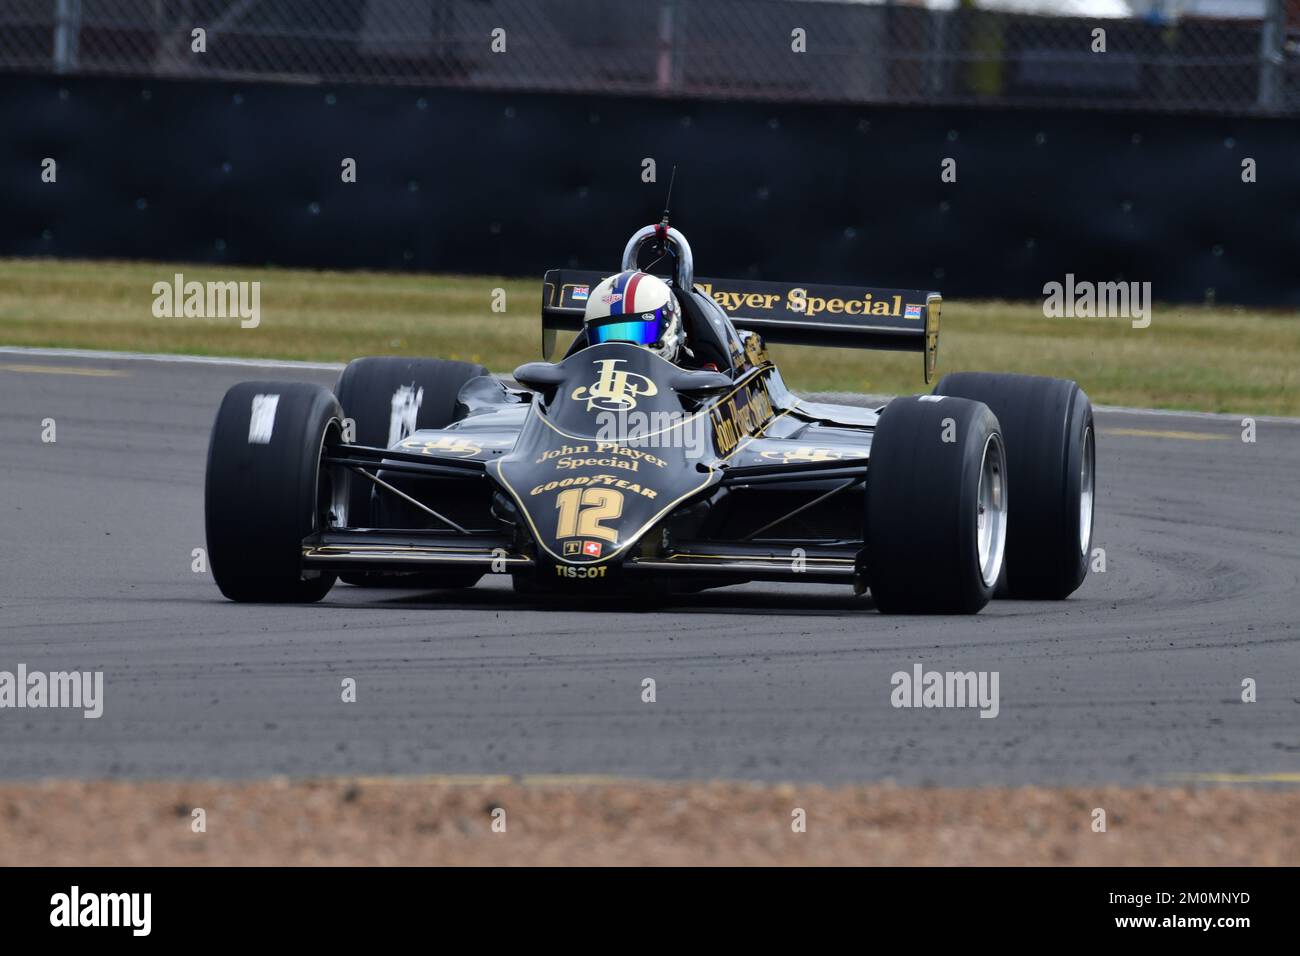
[1226,56]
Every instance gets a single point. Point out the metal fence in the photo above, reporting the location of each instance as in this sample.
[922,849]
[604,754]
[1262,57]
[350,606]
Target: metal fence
[1160,54]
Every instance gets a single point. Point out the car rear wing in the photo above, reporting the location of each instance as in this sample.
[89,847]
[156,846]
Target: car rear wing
[904,320]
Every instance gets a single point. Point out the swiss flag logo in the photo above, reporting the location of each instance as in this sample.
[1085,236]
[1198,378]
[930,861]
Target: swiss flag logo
[591,549]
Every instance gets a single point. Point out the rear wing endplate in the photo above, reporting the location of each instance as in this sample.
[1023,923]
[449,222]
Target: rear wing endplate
[782,312]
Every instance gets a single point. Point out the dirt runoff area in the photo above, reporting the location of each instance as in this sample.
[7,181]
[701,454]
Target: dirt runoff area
[591,821]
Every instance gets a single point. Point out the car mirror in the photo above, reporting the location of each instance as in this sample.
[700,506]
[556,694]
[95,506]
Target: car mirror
[701,384]
[538,376]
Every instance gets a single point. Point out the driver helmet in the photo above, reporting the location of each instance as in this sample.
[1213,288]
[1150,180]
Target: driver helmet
[635,307]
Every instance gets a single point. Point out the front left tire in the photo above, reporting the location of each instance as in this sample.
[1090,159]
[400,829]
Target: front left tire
[936,506]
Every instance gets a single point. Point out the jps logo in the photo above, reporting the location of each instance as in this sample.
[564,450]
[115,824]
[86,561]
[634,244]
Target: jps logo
[805,454]
[444,445]
[614,390]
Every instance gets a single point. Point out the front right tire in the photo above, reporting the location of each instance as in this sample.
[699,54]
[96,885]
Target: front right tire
[265,489]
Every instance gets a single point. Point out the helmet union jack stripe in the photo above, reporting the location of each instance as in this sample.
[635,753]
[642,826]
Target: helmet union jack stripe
[628,304]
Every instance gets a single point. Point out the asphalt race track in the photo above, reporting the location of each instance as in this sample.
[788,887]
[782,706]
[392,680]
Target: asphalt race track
[1137,678]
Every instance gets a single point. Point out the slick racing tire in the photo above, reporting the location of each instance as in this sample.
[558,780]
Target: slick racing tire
[936,519]
[266,491]
[1051,457]
[371,391]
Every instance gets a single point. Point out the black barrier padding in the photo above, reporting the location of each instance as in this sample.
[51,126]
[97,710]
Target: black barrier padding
[515,183]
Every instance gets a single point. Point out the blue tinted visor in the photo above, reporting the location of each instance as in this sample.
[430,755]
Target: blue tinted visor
[645,328]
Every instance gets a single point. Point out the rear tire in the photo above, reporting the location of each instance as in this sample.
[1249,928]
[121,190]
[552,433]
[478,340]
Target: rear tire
[936,506]
[1051,455]
[262,497]
[367,390]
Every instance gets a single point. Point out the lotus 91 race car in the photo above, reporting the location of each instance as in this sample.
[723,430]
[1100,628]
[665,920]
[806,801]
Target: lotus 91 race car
[613,468]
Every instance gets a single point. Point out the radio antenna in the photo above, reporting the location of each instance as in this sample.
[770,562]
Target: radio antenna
[663,223]
[660,244]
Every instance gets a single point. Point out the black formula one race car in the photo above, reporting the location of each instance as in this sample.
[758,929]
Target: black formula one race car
[615,469]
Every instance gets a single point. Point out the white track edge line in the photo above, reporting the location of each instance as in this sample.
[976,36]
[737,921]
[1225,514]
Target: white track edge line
[1234,417]
[338,366]
[172,359]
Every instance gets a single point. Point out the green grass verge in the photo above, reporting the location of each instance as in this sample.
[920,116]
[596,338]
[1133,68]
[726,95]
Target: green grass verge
[1191,357]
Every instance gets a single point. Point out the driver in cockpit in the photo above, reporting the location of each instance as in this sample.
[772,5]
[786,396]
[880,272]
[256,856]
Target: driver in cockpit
[640,309]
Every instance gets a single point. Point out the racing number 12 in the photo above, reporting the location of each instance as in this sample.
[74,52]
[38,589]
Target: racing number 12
[583,509]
